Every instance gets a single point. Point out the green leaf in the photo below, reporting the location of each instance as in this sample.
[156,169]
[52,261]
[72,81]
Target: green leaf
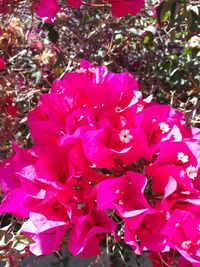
[187,52]
[162,9]
[146,39]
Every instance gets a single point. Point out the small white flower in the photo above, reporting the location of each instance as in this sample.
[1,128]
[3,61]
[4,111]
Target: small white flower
[182,157]
[191,172]
[164,127]
[186,245]
[194,42]
[125,136]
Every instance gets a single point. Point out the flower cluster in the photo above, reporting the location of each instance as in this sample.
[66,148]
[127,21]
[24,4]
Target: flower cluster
[48,9]
[102,155]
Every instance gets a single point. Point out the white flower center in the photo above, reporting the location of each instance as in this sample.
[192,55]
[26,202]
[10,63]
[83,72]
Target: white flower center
[164,127]
[191,172]
[186,245]
[182,157]
[125,136]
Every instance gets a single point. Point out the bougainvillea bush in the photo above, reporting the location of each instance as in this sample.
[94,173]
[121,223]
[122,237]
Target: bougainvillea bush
[104,162]
[103,169]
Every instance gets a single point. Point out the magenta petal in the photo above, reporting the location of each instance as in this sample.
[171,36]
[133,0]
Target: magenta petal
[74,3]
[18,203]
[91,228]
[47,10]
[2,64]
[47,234]
[122,8]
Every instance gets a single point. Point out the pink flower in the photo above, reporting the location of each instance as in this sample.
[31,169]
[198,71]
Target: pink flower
[47,234]
[79,197]
[12,167]
[19,203]
[17,183]
[144,232]
[88,232]
[122,8]
[182,231]
[102,152]
[59,163]
[125,194]
[72,110]
[113,145]
[161,123]
[47,10]
[2,64]
[174,172]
